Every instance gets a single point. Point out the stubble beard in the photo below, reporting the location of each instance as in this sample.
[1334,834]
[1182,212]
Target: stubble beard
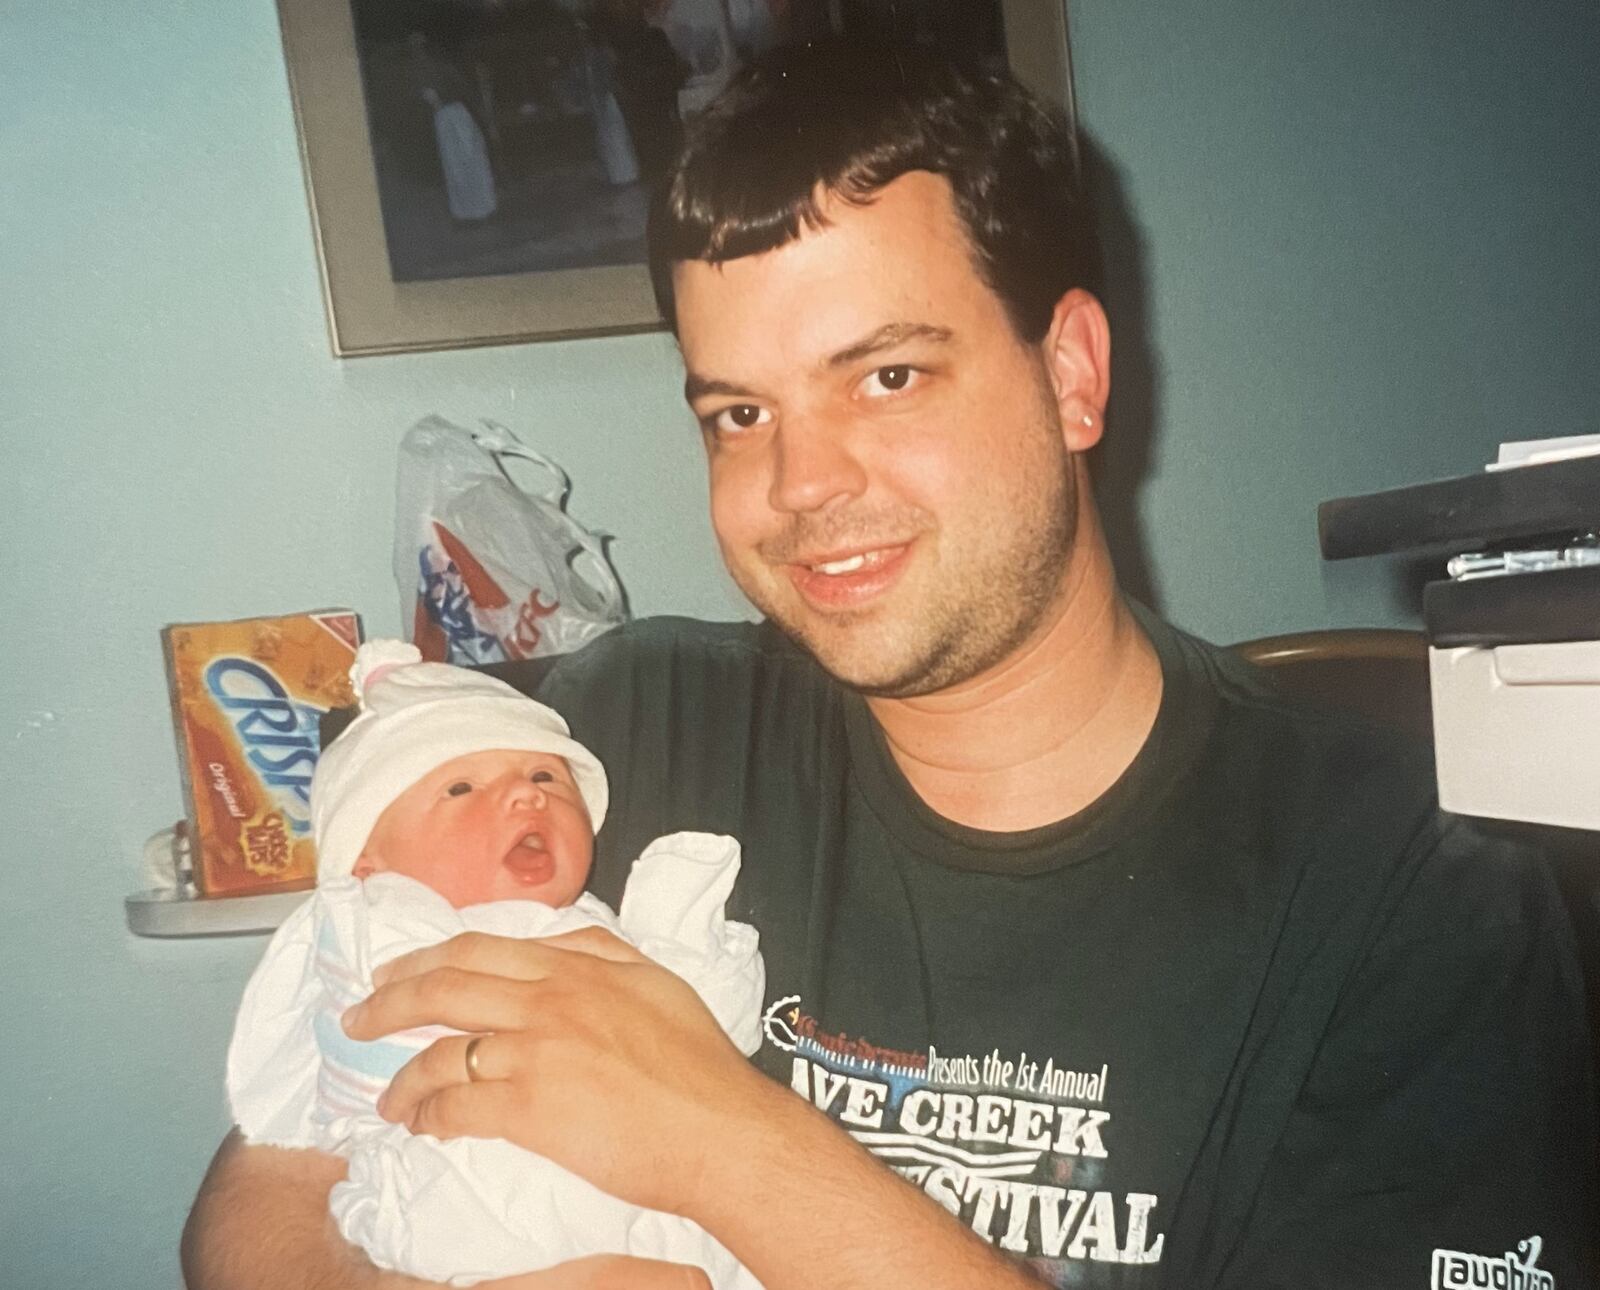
[982,613]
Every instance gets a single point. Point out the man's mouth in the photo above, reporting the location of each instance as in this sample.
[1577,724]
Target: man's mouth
[846,579]
[847,565]
[529,862]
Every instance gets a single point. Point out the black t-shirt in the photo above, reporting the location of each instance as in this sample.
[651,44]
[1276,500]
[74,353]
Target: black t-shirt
[1261,1016]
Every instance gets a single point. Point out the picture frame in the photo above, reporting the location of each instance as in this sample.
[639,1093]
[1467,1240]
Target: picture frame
[370,312]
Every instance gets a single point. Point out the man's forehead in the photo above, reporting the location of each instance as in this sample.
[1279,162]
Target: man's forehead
[896,268]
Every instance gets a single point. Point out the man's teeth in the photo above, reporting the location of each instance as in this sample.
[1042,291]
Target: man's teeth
[835,567]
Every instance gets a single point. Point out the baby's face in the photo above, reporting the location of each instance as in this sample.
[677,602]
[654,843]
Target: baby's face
[488,826]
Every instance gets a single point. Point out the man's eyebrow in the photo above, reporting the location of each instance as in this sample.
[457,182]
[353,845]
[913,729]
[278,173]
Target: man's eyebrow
[887,337]
[697,387]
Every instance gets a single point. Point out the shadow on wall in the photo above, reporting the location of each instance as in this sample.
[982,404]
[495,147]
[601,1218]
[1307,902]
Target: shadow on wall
[1125,457]
[1348,586]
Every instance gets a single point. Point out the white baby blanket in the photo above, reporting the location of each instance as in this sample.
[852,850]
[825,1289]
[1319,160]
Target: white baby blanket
[471,1209]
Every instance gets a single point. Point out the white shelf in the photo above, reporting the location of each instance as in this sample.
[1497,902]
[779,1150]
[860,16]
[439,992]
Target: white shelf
[170,913]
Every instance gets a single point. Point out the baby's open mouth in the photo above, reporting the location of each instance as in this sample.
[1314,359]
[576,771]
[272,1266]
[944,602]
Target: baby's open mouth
[529,862]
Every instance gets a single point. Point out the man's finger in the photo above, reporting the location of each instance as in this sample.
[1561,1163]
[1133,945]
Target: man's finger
[608,1272]
[480,1110]
[445,996]
[440,1065]
[508,956]
[596,942]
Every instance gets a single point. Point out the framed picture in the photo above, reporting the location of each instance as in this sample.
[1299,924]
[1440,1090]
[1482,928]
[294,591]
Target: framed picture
[478,170]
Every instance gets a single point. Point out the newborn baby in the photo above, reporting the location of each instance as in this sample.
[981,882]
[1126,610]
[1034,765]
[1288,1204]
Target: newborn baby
[453,803]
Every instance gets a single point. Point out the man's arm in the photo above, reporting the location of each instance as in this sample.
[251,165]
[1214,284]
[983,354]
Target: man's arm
[803,1205]
[261,1222]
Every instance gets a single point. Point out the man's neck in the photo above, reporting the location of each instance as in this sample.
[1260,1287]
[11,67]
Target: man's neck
[1045,733]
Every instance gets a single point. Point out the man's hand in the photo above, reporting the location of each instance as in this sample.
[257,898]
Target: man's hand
[591,1055]
[608,1064]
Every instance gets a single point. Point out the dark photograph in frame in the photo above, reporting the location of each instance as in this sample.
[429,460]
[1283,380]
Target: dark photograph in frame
[479,170]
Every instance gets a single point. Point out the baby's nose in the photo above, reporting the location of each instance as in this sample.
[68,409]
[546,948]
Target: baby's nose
[525,792]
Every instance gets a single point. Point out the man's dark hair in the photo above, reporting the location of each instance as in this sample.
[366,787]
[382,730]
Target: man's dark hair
[849,119]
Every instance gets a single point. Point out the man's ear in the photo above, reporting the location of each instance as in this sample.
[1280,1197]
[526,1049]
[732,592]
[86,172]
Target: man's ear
[1077,353]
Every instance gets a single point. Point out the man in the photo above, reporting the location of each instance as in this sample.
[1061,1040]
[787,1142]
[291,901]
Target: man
[1133,972]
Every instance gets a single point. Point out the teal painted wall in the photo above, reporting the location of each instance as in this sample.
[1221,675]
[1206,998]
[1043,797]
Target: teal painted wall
[1370,253]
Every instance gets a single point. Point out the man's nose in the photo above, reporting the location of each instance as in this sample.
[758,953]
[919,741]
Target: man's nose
[813,465]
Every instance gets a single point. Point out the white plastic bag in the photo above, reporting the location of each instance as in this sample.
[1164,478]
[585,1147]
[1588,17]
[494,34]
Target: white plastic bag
[489,571]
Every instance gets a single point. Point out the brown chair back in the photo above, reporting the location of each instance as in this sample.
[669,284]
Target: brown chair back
[1380,673]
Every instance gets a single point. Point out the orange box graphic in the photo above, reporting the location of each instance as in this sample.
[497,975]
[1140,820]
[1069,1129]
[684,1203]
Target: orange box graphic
[247,699]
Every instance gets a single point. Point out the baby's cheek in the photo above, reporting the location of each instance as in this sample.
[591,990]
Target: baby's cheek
[474,885]
[426,867]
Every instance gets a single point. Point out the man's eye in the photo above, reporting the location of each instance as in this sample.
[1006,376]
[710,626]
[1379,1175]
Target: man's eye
[459,788]
[890,380]
[741,416]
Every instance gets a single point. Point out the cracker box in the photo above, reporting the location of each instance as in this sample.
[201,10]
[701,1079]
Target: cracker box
[247,697]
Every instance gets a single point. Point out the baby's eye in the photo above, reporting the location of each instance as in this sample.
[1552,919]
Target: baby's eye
[459,788]
[890,380]
[542,777]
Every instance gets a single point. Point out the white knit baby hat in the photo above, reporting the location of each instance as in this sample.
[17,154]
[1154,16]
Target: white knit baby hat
[414,717]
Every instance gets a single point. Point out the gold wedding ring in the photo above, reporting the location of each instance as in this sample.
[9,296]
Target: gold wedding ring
[473,1073]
